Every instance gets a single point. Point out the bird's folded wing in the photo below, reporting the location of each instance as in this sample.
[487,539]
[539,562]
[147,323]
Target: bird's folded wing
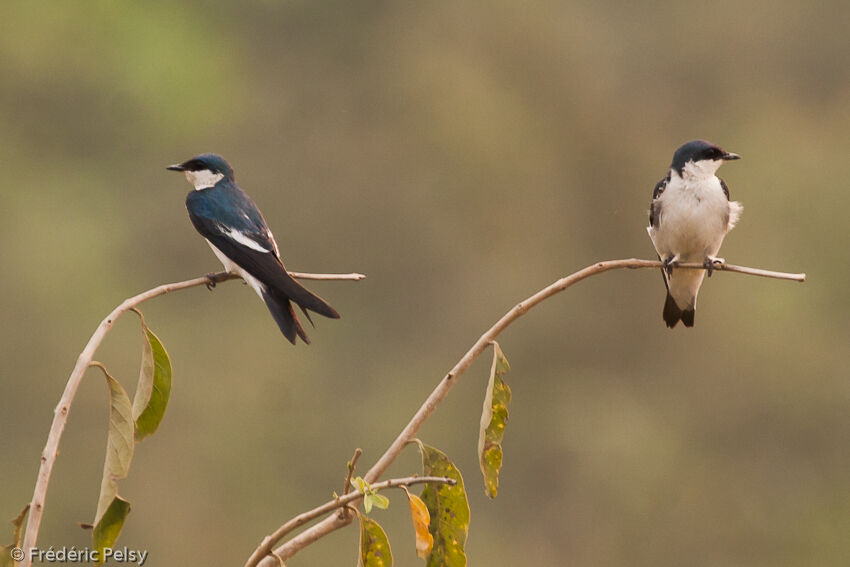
[255,252]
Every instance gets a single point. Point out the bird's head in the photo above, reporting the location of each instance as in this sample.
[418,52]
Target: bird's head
[699,158]
[205,170]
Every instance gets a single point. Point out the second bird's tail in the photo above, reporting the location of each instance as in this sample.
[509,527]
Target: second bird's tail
[673,314]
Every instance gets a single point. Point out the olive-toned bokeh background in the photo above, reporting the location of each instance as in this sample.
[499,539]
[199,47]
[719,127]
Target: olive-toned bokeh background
[463,155]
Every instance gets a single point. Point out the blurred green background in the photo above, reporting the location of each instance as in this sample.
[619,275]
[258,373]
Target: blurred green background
[463,155]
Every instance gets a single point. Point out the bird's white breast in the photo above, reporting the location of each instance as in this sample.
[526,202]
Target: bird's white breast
[694,218]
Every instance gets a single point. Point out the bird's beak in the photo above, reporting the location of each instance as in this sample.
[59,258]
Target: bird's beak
[176,167]
[726,157]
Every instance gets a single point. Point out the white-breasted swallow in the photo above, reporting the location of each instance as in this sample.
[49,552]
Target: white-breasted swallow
[238,234]
[689,216]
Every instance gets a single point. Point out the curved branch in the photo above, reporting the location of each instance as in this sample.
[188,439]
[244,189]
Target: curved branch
[332,523]
[60,414]
[265,548]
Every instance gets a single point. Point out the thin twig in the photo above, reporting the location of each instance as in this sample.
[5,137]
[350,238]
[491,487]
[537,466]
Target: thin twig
[354,276]
[60,414]
[346,486]
[352,465]
[332,523]
[265,548]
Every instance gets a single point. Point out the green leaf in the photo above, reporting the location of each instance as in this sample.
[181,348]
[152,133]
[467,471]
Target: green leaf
[154,387]
[448,508]
[493,421]
[374,545]
[8,552]
[120,443]
[108,528]
[380,501]
[370,497]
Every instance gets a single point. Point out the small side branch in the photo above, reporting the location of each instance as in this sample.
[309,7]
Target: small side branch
[349,277]
[352,465]
[330,524]
[265,549]
[60,414]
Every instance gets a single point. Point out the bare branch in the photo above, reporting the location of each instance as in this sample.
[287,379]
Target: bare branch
[332,523]
[264,550]
[354,276]
[60,414]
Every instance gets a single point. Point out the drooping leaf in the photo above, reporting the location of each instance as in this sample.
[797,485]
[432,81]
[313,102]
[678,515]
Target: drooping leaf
[9,554]
[374,545]
[493,421]
[108,528]
[154,387]
[120,443]
[448,508]
[421,522]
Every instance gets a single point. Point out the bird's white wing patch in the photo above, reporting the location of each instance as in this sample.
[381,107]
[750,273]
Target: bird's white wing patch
[244,240]
[651,231]
[274,243]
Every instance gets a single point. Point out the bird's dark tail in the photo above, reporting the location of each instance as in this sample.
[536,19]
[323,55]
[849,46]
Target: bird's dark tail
[672,314]
[279,299]
[281,309]
[286,286]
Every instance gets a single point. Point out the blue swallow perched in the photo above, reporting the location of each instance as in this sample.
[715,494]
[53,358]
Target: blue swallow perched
[689,216]
[238,234]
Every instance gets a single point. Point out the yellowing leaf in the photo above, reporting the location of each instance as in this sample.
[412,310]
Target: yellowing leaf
[119,444]
[448,508]
[421,522]
[493,420]
[9,553]
[154,388]
[374,545]
[111,508]
[18,522]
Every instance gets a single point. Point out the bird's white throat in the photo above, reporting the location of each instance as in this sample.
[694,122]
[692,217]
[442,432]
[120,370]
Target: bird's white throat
[702,169]
[203,179]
